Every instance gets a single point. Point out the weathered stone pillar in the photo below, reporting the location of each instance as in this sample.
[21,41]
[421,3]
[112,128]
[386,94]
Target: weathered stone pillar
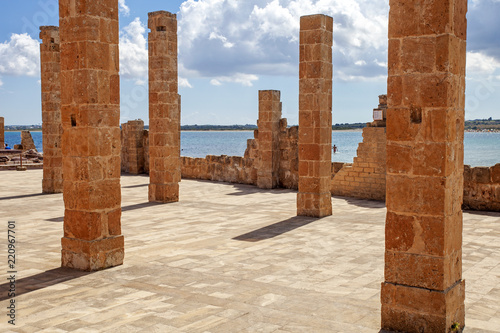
[315,116]
[268,137]
[90,110]
[2,133]
[50,65]
[164,110]
[423,289]
[132,147]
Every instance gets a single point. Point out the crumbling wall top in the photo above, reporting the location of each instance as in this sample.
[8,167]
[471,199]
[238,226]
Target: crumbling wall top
[49,34]
[162,21]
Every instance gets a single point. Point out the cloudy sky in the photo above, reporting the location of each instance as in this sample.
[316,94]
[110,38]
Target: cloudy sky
[230,49]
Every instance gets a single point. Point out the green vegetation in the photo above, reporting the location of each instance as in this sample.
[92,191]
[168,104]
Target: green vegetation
[17,128]
[346,126]
[246,127]
[483,125]
[470,125]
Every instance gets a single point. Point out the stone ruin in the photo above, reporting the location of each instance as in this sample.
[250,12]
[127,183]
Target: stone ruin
[90,115]
[50,66]
[164,109]
[27,142]
[2,132]
[423,288]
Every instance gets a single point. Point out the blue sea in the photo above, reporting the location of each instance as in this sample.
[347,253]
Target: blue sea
[481,149]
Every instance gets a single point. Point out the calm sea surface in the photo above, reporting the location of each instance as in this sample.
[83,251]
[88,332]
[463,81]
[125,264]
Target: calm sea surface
[481,149]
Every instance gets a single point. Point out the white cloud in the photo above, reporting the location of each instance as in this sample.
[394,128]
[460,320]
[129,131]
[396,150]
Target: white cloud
[241,78]
[20,56]
[215,82]
[124,8]
[481,64]
[1,82]
[261,37]
[225,43]
[183,82]
[133,51]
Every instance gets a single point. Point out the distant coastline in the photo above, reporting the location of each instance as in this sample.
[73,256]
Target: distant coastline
[477,125]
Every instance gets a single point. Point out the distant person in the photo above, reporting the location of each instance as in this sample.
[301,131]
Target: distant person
[334,149]
[7,146]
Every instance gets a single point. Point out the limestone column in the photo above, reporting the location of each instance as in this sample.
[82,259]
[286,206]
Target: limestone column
[268,137]
[2,133]
[423,289]
[50,65]
[90,110]
[164,109]
[133,144]
[315,116]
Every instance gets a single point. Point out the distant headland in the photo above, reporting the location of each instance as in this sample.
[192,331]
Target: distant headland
[476,125]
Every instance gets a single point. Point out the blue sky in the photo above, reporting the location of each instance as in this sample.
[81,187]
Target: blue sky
[230,49]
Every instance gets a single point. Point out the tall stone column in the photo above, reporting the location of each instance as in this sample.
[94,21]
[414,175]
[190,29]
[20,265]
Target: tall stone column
[90,109]
[423,289]
[268,137]
[50,65]
[315,116]
[2,133]
[164,109]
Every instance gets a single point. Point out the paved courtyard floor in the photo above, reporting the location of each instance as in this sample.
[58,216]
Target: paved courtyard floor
[226,258]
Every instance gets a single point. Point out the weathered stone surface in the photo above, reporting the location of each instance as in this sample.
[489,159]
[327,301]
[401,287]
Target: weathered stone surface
[269,130]
[315,116]
[164,109]
[27,142]
[2,132]
[482,188]
[423,289]
[132,154]
[90,112]
[365,178]
[50,65]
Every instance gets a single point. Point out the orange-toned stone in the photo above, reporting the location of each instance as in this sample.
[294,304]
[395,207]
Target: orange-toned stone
[50,66]
[164,109]
[425,173]
[91,135]
[2,132]
[315,116]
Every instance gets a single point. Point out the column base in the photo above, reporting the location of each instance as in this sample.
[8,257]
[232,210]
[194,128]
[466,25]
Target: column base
[164,192]
[410,309]
[314,204]
[92,255]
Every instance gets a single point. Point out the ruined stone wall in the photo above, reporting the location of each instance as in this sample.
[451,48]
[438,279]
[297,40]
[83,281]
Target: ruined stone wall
[365,178]
[27,142]
[2,133]
[232,169]
[482,188]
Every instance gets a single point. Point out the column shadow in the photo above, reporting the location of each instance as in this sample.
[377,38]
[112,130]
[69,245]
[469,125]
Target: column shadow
[26,196]
[41,281]
[276,229]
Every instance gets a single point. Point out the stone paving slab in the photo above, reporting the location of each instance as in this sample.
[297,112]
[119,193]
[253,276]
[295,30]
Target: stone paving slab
[226,258]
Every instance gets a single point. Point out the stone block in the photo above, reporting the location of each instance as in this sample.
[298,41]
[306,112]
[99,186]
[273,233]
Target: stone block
[410,309]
